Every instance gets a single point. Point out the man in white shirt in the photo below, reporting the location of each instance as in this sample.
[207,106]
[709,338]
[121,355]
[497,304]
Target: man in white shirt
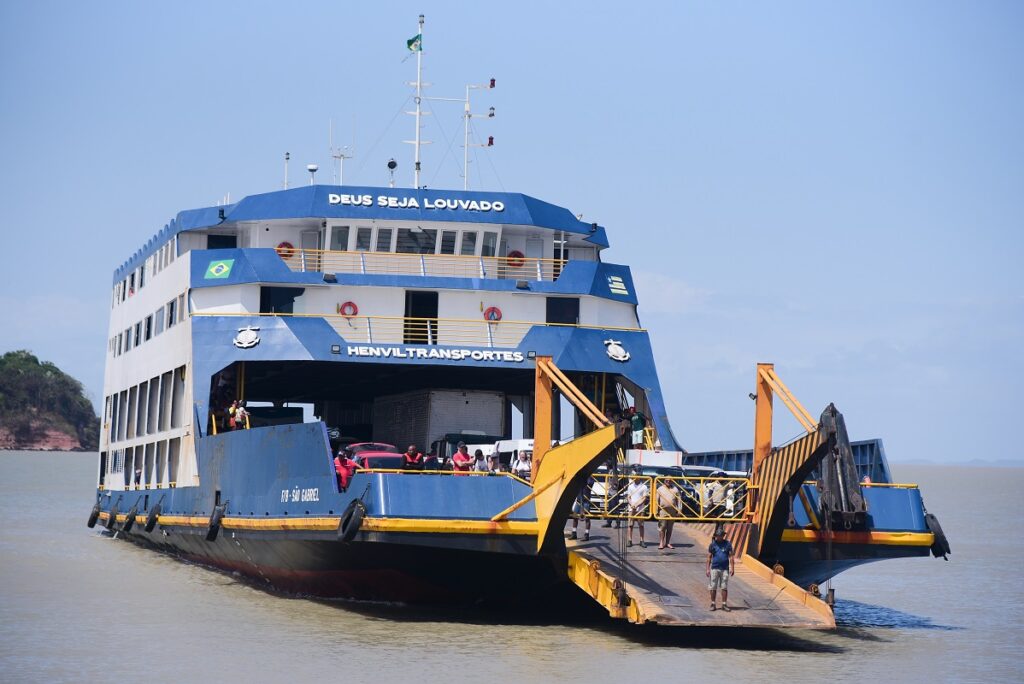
[637,497]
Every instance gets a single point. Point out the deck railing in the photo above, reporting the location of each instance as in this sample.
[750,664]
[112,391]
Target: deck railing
[694,499]
[445,265]
[473,332]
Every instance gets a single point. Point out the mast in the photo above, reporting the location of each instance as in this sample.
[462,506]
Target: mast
[419,93]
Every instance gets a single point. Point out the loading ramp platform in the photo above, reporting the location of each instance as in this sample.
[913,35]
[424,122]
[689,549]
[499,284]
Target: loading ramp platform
[669,587]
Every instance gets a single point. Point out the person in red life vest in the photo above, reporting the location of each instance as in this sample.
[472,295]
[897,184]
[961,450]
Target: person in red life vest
[462,462]
[346,468]
[412,459]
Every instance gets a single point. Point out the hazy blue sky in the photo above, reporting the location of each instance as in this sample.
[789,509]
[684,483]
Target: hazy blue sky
[837,188]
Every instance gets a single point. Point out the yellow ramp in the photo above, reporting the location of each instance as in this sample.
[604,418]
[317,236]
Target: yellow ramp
[670,588]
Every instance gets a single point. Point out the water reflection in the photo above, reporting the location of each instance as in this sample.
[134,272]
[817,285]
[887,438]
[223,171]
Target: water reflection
[854,614]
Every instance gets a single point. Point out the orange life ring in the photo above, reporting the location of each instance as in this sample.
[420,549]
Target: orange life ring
[492,314]
[285,250]
[516,258]
[348,309]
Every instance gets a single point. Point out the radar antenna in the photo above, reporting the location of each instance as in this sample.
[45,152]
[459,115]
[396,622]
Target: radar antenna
[339,154]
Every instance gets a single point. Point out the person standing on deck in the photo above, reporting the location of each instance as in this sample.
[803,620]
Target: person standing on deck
[721,564]
[462,462]
[638,496]
[668,508]
[479,462]
[523,465]
[637,423]
[412,459]
[345,467]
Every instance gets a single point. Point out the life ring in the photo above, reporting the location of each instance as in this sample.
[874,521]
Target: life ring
[515,258]
[348,309]
[351,520]
[285,250]
[215,518]
[94,515]
[492,314]
[152,518]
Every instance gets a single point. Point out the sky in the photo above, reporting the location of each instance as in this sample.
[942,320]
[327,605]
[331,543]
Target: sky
[835,188]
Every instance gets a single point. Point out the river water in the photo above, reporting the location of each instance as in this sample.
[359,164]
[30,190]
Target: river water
[78,606]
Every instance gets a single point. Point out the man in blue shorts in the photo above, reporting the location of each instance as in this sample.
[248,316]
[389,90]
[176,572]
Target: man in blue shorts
[721,564]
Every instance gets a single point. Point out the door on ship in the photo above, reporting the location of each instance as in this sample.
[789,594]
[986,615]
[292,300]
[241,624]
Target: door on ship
[420,317]
[564,310]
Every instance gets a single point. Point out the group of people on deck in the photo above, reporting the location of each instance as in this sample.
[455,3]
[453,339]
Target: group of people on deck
[461,463]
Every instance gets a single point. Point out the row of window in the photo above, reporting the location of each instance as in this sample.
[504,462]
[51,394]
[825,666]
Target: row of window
[165,317]
[412,240]
[152,406]
[143,466]
[153,264]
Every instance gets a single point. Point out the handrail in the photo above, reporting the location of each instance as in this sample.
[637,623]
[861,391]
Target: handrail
[403,471]
[451,265]
[475,332]
[699,499]
[403,318]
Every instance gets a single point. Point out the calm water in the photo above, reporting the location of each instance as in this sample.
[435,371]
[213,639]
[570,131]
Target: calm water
[78,606]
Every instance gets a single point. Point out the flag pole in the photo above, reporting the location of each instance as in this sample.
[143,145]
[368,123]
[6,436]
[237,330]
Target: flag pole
[419,86]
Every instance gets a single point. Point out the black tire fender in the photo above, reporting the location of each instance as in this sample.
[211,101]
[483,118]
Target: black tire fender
[351,520]
[94,515]
[129,519]
[152,518]
[112,517]
[215,518]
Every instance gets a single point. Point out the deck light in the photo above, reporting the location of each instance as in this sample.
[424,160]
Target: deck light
[491,84]
[490,113]
[335,348]
[522,285]
[330,278]
[312,168]
[490,141]
[531,354]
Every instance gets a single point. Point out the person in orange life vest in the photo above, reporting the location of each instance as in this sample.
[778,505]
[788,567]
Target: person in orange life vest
[462,462]
[412,459]
[346,468]
[231,412]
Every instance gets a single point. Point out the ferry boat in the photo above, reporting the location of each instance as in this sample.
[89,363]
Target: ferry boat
[344,314]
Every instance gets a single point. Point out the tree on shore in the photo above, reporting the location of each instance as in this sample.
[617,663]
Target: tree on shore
[37,396]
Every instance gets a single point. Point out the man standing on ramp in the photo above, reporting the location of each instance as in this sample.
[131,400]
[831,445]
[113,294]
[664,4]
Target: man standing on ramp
[721,564]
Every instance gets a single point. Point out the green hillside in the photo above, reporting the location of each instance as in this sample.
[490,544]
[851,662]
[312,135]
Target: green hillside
[37,399]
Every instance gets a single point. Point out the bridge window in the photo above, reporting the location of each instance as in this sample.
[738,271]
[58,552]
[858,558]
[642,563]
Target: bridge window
[384,239]
[339,238]
[490,245]
[448,241]
[468,243]
[416,240]
[363,239]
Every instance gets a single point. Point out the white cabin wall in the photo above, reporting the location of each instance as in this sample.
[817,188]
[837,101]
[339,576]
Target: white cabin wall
[226,299]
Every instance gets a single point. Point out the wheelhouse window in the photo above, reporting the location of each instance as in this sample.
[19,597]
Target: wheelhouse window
[339,239]
[384,239]
[448,241]
[363,239]
[416,240]
[490,245]
[468,243]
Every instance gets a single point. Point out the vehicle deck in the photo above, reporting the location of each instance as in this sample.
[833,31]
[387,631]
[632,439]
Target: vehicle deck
[670,587]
